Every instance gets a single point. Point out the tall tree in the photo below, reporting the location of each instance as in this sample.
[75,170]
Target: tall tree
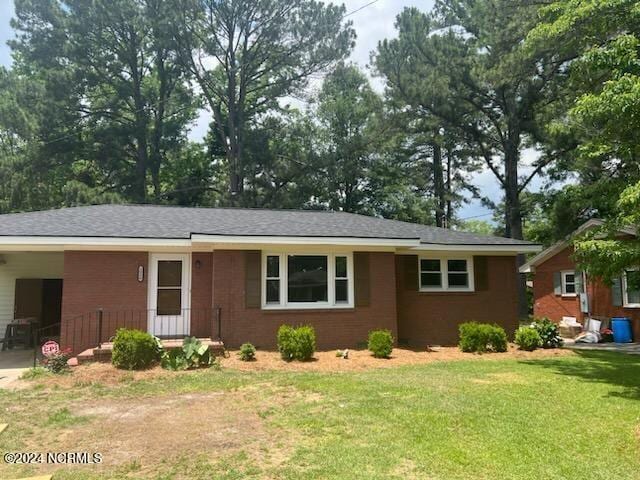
[464,64]
[246,55]
[134,99]
[604,116]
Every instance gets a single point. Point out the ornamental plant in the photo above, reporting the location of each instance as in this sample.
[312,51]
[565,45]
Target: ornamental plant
[380,343]
[134,349]
[482,337]
[247,352]
[296,343]
[528,339]
[57,362]
[549,333]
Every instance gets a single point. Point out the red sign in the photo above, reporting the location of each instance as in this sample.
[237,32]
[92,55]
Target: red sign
[50,348]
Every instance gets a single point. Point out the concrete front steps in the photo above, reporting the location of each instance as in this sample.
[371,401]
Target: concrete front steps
[103,352]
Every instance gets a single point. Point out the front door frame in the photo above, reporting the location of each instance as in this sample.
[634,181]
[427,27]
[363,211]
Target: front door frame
[170,325]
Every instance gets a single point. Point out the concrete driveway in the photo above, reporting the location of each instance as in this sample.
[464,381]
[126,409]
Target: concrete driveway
[12,364]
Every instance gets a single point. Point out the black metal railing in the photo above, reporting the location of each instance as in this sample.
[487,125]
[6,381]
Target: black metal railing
[93,329]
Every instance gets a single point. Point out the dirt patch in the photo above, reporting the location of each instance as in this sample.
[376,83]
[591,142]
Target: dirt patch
[152,431]
[363,360]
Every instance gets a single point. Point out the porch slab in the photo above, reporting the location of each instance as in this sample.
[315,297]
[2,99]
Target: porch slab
[103,353]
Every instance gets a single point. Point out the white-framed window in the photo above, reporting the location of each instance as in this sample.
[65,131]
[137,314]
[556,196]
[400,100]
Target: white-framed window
[307,280]
[631,288]
[568,278]
[446,274]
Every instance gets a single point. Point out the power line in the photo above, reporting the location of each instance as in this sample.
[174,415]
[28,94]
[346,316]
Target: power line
[360,8]
[477,216]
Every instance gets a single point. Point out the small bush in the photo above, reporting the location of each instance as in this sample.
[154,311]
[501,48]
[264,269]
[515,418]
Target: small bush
[57,362]
[380,343]
[549,333]
[247,352]
[528,339]
[134,350]
[482,337]
[296,343]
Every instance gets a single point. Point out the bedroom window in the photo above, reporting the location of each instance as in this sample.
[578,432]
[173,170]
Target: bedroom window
[568,283]
[446,274]
[631,288]
[307,280]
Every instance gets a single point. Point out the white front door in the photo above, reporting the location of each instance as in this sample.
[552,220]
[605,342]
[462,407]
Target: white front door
[169,294]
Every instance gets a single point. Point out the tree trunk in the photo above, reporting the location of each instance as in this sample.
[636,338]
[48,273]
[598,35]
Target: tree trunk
[513,215]
[449,213]
[438,184]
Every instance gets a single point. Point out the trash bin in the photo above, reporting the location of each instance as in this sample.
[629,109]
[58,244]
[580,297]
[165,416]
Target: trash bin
[621,327]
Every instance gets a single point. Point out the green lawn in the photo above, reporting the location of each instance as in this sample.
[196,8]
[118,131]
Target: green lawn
[565,417]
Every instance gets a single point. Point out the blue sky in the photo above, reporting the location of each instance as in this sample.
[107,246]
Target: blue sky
[373,23]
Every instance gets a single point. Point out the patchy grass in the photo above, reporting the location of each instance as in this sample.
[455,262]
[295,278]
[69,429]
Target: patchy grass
[563,417]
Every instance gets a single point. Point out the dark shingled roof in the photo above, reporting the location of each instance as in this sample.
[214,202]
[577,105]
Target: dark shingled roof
[149,221]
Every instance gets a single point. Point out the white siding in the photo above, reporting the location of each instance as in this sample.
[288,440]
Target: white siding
[24,265]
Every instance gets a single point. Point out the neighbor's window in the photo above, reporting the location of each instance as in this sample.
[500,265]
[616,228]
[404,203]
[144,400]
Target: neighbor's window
[169,287]
[568,283]
[631,288]
[442,274]
[307,281]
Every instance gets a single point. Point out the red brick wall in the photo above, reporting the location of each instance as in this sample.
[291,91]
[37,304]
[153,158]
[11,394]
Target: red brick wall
[546,303]
[602,306]
[334,328]
[432,318]
[107,280]
[201,294]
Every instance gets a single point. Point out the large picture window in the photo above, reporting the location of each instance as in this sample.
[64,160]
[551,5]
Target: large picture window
[446,274]
[307,280]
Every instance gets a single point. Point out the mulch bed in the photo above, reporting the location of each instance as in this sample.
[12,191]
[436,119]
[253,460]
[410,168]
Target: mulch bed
[363,360]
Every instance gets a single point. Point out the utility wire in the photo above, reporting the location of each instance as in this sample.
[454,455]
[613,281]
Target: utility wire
[360,8]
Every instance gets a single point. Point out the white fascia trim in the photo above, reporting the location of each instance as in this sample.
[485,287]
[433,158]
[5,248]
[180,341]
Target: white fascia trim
[69,242]
[514,249]
[272,240]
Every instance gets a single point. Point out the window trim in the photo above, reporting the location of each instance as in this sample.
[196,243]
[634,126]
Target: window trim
[563,283]
[625,296]
[330,304]
[444,272]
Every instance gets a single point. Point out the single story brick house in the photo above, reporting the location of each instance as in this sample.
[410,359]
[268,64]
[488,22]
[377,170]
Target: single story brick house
[560,289]
[238,274]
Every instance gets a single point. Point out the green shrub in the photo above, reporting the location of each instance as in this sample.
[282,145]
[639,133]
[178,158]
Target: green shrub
[380,343]
[296,343]
[482,337]
[306,343]
[528,339]
[287,342]
[549,333]
[247,352]
[134,349]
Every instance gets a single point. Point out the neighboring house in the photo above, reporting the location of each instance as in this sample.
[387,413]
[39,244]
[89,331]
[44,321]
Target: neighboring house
[238,274]
[561,290]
